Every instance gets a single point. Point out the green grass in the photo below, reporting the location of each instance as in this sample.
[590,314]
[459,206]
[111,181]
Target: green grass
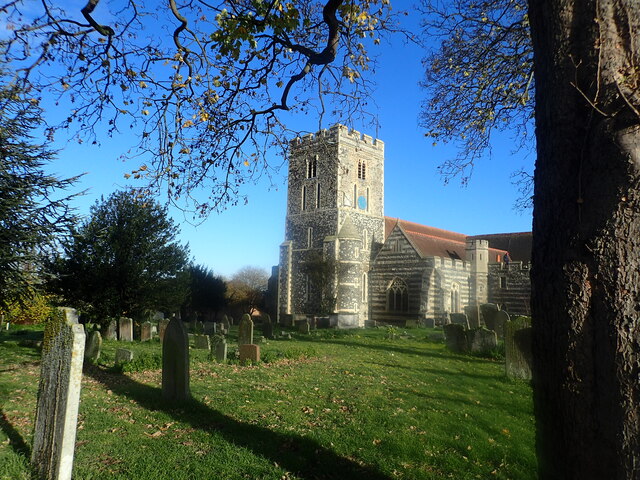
[331,405]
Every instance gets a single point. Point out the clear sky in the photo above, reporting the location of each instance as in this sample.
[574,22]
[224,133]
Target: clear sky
[251,234]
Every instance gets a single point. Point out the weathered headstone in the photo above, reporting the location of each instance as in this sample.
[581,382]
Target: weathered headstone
[210,328]
[125,329]
[249,352]
[123,355]
[501,319]
[175,362]
[459,319]
[93,345]
[455,337]
[473,315]
[267,327]
[517,348]
[322,322]
[198,327]
[58,397]
[111,332]
[430,322]
[162,327]
[145,332]
[221,350]
[225,322]
[482,340]
[488,312]
[245,330]
[303,327]
[202,342]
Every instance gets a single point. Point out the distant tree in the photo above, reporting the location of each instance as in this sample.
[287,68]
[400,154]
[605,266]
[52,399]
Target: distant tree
[321,273]
[478,80]
[207,292]
[34,213]
[246,289]
[203,84]
[125,260]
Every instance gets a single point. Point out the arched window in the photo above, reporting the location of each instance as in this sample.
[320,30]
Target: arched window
[312,167]
[362,169]
[397,296]
[304,197]
[318,195]
[365,287]
[455,298]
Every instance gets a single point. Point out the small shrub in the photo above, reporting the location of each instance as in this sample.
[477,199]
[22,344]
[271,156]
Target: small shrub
[33,311]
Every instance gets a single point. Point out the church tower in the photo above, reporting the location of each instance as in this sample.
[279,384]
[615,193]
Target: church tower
[334,225]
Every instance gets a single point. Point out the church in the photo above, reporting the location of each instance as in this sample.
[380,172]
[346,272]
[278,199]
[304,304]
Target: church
[343,259]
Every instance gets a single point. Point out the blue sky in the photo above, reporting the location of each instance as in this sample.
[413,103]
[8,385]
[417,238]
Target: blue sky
[250,234]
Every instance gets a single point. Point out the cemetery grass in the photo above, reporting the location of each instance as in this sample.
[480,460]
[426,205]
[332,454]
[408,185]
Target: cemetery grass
[330,405]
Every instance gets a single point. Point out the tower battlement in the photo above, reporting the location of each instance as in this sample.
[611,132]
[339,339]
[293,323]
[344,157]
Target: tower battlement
[334,133]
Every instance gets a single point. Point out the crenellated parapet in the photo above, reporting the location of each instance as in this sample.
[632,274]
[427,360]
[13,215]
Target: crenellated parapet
[335,133]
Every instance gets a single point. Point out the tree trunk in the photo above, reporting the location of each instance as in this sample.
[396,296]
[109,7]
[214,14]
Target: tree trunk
[586,238]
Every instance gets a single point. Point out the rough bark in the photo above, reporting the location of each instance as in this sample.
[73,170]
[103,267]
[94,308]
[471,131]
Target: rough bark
[586,238]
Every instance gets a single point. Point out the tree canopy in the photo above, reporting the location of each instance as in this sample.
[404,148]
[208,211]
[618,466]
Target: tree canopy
[124,260]
[204,84]
[246,289]
[207,291]
[34,212]
[478,80]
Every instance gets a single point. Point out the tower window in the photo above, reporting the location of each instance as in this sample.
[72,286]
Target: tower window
[312,167]
[455,298]
[318,195]
[503,282]
[309,237]
[362,169]
[365,287]
[355,196]
[304,197]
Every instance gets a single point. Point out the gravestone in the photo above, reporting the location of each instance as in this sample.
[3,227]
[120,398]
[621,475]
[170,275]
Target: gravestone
[473,315]
[267,327]
[145,332]
[175,362]
[230,320]
[459,319]
[501,319]
[111,332]
[488,312]
[411,323]
[482,340]
[221,351]
[123,355]
[249,352]
[92,347]
[125,329]
[245,330]
[202,342]
[517,348]
[58,397]
[322,322]
[303,327]
[198,327]
[455,337]
[430,322]
[210,328]
[162,327]
[225,322]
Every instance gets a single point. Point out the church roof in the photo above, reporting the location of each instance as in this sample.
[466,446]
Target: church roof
[517,244]
[435,242]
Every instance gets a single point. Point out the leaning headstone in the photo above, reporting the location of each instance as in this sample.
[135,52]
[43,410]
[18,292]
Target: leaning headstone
[225,322]
[303,327]
[245,330]
[58,397]
[145,332]
[162,327]
[517,348]
[92,347]
[112,331]
[249,352]
[482,340]
[501,318]
[123,355]
[202,342]
[455,337]
[267,327]
[125,329]
[175,362]
[473,315]
[459,319]
[488,312]
[221,351]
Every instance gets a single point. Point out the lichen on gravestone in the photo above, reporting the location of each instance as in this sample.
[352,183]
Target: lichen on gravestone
[58,396]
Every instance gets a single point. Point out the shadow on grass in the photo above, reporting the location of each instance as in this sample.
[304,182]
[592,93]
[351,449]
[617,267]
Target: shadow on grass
[391,347]
[306,458]
[15,439]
